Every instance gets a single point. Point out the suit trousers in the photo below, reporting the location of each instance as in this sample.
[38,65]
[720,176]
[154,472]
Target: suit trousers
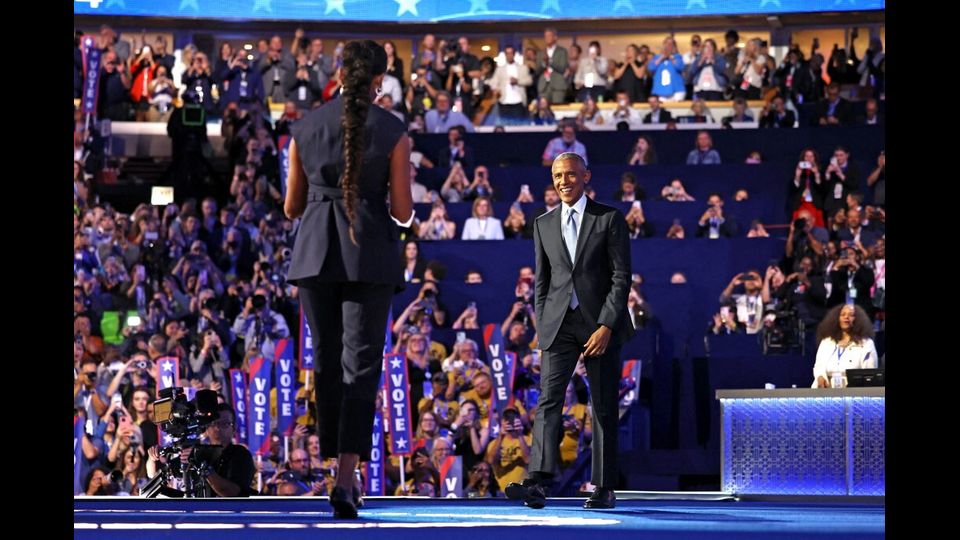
[603,375]
[347,322]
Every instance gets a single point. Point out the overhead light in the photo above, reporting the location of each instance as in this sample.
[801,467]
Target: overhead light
[247,47]
[485,48]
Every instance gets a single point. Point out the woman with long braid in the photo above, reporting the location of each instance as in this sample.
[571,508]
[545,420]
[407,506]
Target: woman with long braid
[346,158]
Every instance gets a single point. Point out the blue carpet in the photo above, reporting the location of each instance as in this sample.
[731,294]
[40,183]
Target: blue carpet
[271,518]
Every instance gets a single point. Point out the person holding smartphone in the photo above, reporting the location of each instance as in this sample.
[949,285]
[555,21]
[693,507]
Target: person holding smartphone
[480,187]
[725,323]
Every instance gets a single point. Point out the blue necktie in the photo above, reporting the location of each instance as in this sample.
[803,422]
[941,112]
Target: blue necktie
[570,237]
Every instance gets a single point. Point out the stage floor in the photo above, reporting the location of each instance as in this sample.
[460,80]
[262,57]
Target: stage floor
[494,519]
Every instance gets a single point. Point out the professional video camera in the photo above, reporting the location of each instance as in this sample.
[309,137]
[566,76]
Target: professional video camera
[184,421]
[783,330]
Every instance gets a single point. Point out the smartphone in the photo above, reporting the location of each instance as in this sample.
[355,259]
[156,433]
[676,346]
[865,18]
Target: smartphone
[804,165]
[725,312]
[150,235]
[525,188]
[472,305]
[636,204]
[133,321]
[461,337]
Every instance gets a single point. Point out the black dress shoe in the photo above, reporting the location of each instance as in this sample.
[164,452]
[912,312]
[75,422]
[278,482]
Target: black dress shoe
[343,504]
[530,492]
[601,498]
[357,499]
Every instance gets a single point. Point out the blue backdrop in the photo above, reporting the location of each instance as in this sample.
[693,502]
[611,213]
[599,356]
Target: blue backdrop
[460,10]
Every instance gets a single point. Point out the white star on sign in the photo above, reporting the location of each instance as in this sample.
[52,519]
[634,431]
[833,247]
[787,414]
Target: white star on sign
[547,4]
[335,5]
[407,6]
[185,3]
[626,4]
[401,443]
[167,366]
[262,4]
[478,5]
[395,363]
[376,422]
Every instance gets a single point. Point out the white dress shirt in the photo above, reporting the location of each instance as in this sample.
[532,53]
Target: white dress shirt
[831,357]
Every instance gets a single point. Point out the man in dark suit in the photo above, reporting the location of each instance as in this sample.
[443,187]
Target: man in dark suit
[582,285]
[834,110]
[657,115]
[456,151]
[777,116]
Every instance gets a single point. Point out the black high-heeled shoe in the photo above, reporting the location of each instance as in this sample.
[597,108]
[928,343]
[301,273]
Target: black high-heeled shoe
[343,504]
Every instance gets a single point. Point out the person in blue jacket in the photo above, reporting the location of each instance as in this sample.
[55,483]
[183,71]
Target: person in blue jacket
[668,72]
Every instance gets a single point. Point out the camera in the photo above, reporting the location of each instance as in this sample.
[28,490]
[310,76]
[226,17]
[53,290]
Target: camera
[142,364]
[800,224]
[429,293]
[259,301]
[181,418]
[210,303]
[452,46]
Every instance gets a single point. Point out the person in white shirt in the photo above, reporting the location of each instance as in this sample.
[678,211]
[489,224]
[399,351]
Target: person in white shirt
[510,82]
[846,342]
[749,305]
[591,76]
[482,226]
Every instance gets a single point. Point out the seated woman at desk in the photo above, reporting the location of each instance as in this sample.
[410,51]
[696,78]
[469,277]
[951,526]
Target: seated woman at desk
[845,337]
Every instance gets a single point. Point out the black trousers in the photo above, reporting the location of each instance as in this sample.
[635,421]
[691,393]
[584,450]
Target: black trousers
[347,322]
[603,374]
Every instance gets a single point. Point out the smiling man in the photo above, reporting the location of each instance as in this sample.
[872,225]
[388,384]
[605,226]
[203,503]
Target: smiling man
[582,283]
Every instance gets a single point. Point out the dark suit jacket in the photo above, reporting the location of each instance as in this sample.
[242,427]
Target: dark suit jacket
[600,273]
[770,120]
[843,112]
[466,159]
[665,117]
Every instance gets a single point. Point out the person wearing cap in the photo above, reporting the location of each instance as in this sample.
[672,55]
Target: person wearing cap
[444,409]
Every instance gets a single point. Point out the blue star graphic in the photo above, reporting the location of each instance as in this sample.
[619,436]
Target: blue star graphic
[262,4]
[111,3]
[407,6]
[548,4]
[701,3]
[335,5]
[765,2]
[625,4]
[185,3]
[478,6]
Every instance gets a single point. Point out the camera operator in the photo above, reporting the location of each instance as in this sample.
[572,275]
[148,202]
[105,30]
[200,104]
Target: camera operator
[231,469]
[259,326]
[463,74]
[205,314]
[851,281]
[803,292]
[208,365]
[805,238]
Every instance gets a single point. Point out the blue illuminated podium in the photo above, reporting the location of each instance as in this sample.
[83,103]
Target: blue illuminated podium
[803,441]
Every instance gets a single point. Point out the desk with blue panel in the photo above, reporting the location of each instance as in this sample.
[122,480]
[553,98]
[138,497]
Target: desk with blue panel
[803,441]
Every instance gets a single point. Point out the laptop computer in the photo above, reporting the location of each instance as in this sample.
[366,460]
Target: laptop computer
[865,377]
